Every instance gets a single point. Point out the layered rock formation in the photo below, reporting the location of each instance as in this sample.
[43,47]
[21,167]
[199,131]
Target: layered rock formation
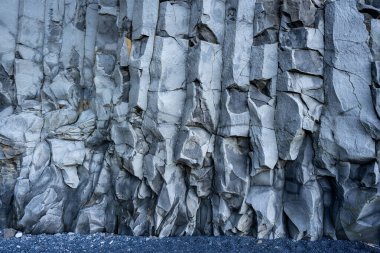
[191,117]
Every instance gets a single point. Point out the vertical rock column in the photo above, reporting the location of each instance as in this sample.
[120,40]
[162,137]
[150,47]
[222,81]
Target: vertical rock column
[137,25]
[50,175]
[9,151]
[231,214]
[300,97]
[195,140]
[166,99]
[350,127]
[97,213]
[128,145]
[266,180]
[29,77]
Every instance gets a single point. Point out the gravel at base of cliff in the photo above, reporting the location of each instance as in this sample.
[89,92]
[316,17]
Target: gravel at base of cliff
[115,243]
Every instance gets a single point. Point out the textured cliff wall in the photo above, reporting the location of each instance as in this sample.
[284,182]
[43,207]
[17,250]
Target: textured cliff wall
[213,117]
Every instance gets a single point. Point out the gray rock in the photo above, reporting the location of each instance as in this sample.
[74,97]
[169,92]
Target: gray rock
[268,213]
[203,88]
[305,61]
[302,190]
[308,85]
[207,20]
[262,132]
[303,38]
[192,145]
[301,12]
[266,22]
[145,14]
[9,233]
[205,117]
[234,114]
[173,19]
[9,20]
[237,43]
[264,62]
[375,39]
[289,128]
[376,72]
[28,79]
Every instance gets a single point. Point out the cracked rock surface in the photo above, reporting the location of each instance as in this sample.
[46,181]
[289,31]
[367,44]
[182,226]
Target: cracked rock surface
[191,117]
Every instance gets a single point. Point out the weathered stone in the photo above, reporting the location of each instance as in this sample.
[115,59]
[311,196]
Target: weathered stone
[376,72]
[203,88]
[28,80]
[375,39]
[264,62]
[231,169]
[8,30]
[206,117]
[237,43]
[145,14]
[168,67]
[305,61]
[266,22]
[308,85]
[207,20]
[234,114]
[303,38]
[289,131]
[262,132]
[173,19]
[67,153]
[9,233]
[301,12]
[192,145]
[268,213]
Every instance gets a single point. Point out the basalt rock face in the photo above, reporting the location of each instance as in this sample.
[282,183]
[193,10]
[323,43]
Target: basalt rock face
[191,117]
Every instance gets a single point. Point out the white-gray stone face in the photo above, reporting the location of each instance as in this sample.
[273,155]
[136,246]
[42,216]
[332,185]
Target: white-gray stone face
[191,117]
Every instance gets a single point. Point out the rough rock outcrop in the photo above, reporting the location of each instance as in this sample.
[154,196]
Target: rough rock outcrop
[191,117]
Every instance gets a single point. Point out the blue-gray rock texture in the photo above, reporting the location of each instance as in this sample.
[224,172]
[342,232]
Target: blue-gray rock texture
[191,117]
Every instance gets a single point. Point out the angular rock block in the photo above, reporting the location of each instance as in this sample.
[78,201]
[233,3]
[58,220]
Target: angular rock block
[303,38]
[8,29]
[28,79]
[307,85]
[266,22]
[302,190]
[145,15]
[166,98]
[375,39]
[264,62]
[268,213]
[375,67]
[237,43]
[263,137]
[304,61]
[289,130]
[203,87]
[200,56]
[192,145]
[207,20]
[173,19]
[231,168]
[301,12]
[234,115]
[168,67]
[198,98]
